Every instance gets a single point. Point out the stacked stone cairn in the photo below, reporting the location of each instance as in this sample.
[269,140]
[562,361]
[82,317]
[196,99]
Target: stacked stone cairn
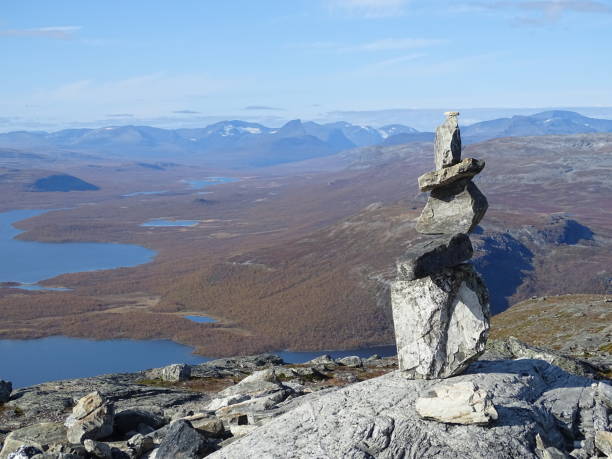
[440,304]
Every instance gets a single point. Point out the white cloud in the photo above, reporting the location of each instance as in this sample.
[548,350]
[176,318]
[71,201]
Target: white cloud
[369,8]
[58,33]
[541,12]
[395,44]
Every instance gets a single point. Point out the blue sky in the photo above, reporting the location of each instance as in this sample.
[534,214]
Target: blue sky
[70,63]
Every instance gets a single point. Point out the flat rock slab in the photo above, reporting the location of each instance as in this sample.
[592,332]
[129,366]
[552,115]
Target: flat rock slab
[455,208]
[377,418]
[447,144]
[441,322]
[466,169]
[457,403]
[432,254]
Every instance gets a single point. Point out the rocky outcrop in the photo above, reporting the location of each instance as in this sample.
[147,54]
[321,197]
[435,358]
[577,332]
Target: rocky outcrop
[441,322]
[378,418]
[440,307]
[6,387]
[459,403]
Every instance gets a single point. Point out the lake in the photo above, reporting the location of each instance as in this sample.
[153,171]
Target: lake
[28,362]
[210,181]
[28,262]
[161,223]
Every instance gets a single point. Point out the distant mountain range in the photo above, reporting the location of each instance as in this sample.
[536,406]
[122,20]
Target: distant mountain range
[244,144]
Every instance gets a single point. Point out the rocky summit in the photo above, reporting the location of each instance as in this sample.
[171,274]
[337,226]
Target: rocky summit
[441,306]
[511,403]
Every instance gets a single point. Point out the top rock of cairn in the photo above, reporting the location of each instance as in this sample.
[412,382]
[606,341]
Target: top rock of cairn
[447,147]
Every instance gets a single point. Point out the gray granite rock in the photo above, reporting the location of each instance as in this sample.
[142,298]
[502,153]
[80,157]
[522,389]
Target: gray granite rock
[377,418]
[171,373]
[603,442]
[91,418]
[466,169]
[455,208]
[41,436]
[182,441]
[26,452]
[6,387]
[430,255]
[447,144]
[457,403]
[98,449]
[441,322]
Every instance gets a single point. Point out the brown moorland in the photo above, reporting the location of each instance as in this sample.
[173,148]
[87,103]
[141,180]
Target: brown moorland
[298,256]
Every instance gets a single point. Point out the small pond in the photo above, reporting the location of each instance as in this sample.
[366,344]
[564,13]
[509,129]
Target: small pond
[210,181]
[161,222]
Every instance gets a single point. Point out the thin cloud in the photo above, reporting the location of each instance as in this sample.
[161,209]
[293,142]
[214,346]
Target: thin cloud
[387,44]
[383,44]
[398,60]
[120,115]
[369,8]
[186,112]
[541,12]
[261,107]
[57,33]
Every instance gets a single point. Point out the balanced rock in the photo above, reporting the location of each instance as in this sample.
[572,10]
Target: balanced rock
[447,144]
[6,387]
[91,418]
[466,169]
[459,403]
[428,256]
[455,208]
[441,322]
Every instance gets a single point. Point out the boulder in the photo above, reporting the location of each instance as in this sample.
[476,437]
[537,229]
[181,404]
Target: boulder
[258,384]
[6,387]
[98,449]
[447,145]
[172,373]
[459,403]
[209,426]
[466,169]
[26,452]
[91,418]
[182,441]
[432,254]
[441,322]
[455,208]
[350,361]
[603,442]
[40,436]
[140,444]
